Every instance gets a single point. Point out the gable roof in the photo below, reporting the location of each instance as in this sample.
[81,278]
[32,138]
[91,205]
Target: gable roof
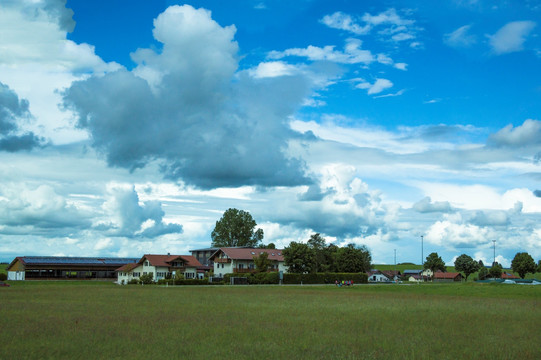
[166,260]
[71,261]
[412,272]
[446,275]
[127,267]
[249,253]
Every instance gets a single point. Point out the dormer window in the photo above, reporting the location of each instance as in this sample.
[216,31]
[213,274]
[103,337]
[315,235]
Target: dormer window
[147,263]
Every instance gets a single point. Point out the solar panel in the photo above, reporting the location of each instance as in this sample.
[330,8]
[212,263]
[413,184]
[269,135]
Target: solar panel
[61,260]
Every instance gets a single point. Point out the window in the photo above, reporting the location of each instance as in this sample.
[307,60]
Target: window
[147,263]
[241,266]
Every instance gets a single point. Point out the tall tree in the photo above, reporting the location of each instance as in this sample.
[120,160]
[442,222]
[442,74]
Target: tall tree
[298,257]
[262,262]
[352,259]
[495,271]
[467,265]
[434,263]
[317,244]
[522,264]
[483,273]
[236,228]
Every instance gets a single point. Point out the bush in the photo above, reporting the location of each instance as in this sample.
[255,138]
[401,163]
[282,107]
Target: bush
[133,282]
[325,278]
[147,279]
[3,277]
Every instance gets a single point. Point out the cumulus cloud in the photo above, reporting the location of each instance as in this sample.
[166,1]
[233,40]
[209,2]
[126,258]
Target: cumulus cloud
[132,219]
[40,211]
[460,37]
[378,86]
[342,21]
[511,37]
[187,108]
[12,111]
[427,206]
[527,134]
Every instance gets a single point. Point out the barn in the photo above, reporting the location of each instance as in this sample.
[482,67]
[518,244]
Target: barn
[61,267]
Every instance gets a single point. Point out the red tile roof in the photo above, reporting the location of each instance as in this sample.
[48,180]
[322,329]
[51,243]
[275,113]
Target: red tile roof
[165,260]
[127,267]
[249,253]
[446,275]
[509,276]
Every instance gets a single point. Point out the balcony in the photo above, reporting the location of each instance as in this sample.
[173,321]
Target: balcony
[222,261]
[247,270]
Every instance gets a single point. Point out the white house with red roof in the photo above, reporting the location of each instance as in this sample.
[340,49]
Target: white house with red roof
[241,260]
[161,267]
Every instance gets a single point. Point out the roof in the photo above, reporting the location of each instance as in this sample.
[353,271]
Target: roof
[165,260]
[446,275]
[77,261]
[509,276]
[391,273]
[249,253]
[128,267]
[206,249]
[412,272]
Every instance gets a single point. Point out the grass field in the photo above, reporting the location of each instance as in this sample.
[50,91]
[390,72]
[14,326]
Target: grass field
[79,320]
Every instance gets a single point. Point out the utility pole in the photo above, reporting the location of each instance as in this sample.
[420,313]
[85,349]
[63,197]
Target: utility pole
[395,272]
[422,250]
[494,262]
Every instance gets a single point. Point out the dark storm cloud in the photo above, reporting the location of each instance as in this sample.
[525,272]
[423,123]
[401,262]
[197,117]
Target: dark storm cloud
[13,110]
[187,108]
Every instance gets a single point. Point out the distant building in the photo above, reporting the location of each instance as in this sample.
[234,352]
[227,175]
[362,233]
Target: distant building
[375,275]
[447,276]
[62,267]
[203,256]
[241,260]
[161,267]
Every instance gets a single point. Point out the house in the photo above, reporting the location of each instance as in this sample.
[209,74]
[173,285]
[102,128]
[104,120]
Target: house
[161,267]
[65,267]
[509,276]
[375,275]
[394,275]
[416,278]
[447,276]
[203,256]
[241,260]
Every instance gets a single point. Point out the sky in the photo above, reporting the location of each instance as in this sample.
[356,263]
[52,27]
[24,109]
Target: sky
[410,127]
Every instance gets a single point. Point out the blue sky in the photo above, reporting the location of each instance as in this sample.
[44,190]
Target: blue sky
[130,127]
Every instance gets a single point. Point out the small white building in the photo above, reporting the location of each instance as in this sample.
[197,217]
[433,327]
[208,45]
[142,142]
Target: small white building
[161,267]
[377,276]
[241,260]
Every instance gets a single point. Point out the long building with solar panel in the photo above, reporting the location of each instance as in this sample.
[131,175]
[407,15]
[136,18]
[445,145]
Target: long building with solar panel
[62,267]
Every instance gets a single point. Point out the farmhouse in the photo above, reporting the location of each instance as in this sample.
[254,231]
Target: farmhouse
[61,267]
[377,276]
[161,267]
[241,260]
[447,276]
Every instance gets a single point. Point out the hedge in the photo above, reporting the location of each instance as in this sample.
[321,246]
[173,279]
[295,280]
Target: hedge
[319,278]
[204,281]
[325,278]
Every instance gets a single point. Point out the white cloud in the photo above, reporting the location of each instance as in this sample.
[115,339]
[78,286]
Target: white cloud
[378,86]
[511,37]
[342,21]
[460,37]
[272,69]
[529,133]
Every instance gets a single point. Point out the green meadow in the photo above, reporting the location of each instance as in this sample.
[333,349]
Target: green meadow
[96,320]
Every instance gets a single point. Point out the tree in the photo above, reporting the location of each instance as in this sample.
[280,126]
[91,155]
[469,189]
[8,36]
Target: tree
[262,262]
[495,271]
[329,256]
[539,266]
[467,265]
[522,264]
[317,244]
[298,257]
[434,263]
[268,246]
[147,278]
[352,259]
[236,228]
[483,273]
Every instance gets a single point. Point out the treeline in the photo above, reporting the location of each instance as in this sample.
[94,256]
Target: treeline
[315,256]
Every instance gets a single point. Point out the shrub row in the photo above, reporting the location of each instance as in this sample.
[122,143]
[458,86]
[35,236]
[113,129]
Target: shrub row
[325,278]
[255,278]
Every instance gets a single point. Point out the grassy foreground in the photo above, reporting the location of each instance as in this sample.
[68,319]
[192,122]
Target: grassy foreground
[74,320]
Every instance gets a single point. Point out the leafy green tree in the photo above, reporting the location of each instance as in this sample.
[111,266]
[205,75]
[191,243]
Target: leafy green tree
[236,228]
[522,264]
[317,244]
[539,266]
[268,246]
[329,256]
[434,263]
[353,259]
[298,257]
[3,277]
[483,273]
[466,264]
[262,262]
[147,278]
[495,271]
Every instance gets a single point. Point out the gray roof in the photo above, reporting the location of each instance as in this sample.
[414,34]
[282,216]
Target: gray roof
[405,272]
[64,260]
